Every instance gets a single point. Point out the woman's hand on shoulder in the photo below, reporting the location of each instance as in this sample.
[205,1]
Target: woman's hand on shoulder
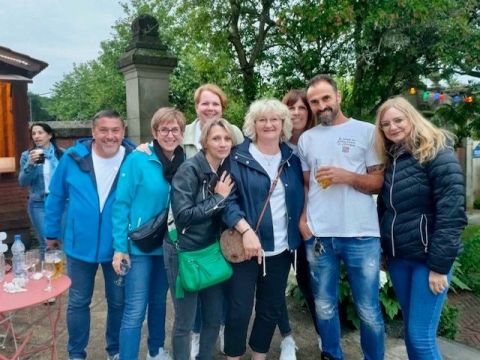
[252,245]
[224,185]
[143,148]
[117,259]
[438,283]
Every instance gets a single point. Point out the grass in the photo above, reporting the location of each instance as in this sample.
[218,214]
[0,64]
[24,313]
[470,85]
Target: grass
[470,258]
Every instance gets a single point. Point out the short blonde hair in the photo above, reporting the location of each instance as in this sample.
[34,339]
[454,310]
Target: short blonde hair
[425,139]
[166,114]
[213,89]
[258,108]
[216,122]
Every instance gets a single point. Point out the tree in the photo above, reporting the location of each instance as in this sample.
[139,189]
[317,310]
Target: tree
[375,48]
[38,108]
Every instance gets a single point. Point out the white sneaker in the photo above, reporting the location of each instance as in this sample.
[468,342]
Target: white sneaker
[221,339]
[162,355]
[288,349]
[194,345]
[114,357]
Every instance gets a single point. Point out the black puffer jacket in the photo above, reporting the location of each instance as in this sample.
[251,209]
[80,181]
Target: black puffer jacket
[196,208]
[422,209]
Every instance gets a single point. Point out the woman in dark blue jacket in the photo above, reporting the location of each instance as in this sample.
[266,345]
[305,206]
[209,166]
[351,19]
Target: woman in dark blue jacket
[422,215]
[254,165]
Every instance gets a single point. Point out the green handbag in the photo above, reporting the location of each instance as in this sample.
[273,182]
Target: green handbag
[201,269]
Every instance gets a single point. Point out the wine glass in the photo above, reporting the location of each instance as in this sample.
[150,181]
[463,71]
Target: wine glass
[32,259]
[49,268]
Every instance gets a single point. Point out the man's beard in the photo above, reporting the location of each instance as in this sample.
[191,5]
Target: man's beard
[325,117]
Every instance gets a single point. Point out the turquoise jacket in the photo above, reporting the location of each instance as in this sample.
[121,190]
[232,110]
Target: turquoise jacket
[142,193]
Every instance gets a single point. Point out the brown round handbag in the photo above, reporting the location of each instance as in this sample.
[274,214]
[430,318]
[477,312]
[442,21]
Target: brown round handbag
[231,241]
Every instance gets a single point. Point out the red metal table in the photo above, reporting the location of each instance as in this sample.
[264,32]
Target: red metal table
[11,304]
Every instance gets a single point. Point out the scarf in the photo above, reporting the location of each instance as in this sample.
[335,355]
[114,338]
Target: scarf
[51,156]
[170,166]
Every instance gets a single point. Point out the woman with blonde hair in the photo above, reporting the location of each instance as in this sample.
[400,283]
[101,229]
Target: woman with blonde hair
[265,171]
[422,215]
[199,191]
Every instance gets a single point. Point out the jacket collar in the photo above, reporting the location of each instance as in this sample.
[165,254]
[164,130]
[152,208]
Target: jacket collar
[81,153]
[203,163]
[189,133]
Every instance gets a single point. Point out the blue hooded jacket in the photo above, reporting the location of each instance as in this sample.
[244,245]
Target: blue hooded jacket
[88,231]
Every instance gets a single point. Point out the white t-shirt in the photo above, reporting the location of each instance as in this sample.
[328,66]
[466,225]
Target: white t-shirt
[106,170]
[340,210]
[47,174]
[277,201]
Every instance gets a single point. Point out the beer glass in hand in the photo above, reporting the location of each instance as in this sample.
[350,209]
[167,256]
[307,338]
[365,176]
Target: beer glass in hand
[318,164]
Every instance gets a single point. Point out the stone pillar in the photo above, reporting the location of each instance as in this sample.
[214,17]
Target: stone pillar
[146,67]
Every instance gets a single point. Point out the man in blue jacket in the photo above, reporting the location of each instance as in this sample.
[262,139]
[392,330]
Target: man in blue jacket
[84,184]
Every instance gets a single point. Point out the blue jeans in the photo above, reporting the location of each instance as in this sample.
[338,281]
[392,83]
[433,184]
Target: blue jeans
[36,212]
[421,308]
[82,275]
[145,284]
[361,257]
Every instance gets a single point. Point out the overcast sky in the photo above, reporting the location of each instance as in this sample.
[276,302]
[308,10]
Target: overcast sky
[59,32]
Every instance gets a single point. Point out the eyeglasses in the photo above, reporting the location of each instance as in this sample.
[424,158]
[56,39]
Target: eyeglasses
[264,121]
[387,125]
[165,131]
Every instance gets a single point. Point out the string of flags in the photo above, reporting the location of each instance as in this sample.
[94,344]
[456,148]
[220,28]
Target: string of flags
[441,97]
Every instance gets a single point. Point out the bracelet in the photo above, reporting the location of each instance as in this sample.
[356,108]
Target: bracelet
[244,231]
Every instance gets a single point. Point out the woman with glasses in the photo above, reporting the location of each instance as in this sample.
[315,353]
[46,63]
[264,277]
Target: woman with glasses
[143,191]
[422,215]
[263,164]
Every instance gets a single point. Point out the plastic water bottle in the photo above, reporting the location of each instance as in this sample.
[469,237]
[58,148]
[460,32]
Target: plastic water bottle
[2,267]
[18,258]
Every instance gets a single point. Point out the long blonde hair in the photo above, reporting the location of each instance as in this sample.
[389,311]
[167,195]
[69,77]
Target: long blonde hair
[425,139]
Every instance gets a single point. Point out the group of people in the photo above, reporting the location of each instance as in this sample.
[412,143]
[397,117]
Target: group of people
[210,176]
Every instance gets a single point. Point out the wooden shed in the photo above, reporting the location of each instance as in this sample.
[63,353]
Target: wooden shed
[16,71]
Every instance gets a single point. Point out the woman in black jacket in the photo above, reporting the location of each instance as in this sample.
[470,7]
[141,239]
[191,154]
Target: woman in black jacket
[199,190]
[422,215]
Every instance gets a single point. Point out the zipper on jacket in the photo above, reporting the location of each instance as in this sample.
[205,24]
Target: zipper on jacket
[393,207]
[424,240]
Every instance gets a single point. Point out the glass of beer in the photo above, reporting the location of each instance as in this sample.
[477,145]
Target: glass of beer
[59,260]
[323,183]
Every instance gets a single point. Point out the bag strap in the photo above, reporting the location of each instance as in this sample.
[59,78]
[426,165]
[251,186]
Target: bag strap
[274,184]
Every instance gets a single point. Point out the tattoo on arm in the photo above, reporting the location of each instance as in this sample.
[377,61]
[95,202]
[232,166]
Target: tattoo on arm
[372,182]
[375,168]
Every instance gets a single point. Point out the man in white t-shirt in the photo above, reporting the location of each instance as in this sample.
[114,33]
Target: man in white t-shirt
[84,184]
[339,222]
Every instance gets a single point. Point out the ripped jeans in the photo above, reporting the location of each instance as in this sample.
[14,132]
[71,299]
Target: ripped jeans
[361,257]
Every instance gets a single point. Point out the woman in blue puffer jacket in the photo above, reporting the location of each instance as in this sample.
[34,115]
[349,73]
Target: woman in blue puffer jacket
[422,215]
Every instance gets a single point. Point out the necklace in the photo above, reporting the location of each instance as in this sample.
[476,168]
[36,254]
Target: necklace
[269,159]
